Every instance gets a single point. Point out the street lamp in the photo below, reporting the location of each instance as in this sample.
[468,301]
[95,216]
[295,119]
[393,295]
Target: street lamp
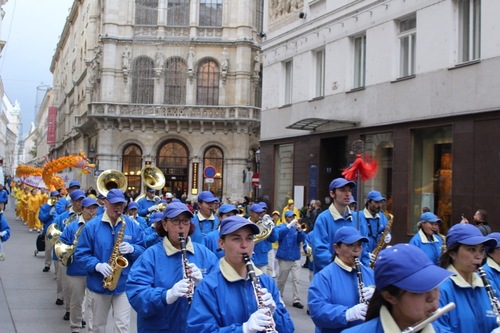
[257,159]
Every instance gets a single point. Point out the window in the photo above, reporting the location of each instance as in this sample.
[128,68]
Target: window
[208,83]
[173,161]
[258,91]
[146,12]
[214,157]
[178,13]
[259,15]
[132,165]
[143,81]
[175,82]
[359,61]
[469,17]
[210,13]
[408,46]
[288,81]
[320,74]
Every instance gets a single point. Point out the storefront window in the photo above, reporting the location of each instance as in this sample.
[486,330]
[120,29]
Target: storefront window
[431,175]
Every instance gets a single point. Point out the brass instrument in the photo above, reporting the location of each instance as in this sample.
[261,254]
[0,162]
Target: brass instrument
[53,234]
[110,179]
[361,285]
[256,289]
[185,267]
[241,211]
[52,201]
[116,261]
[151,177]
[65,252]
[381,243]
[495,304]
[266,226]
[435,315]
[303,227]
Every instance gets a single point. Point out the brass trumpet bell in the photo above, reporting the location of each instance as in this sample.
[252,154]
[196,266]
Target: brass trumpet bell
[266,226]
[64,252]
[53,234]
[110,179]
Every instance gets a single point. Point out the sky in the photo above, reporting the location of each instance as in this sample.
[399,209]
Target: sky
[31,29]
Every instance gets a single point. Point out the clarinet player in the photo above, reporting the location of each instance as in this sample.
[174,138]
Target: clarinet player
[160,283]
[226,299]
[111,235]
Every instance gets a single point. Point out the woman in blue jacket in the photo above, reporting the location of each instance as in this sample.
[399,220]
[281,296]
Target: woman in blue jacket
[406,291]
[427,237]
[465,253]
[156,286]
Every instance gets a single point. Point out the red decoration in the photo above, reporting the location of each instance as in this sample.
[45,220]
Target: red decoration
[367,169]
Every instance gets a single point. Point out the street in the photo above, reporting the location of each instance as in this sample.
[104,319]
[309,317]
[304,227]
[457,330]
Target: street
[27,295]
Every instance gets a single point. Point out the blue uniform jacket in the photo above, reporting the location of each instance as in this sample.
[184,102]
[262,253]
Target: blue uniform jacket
[375,226]
[144,205]
[68,237]
[211,241]
[151,237]
[289,242]
[46,215]
[332,292]
[4,195]
[473,312]
[152,275]
[95,245]
[203,227]
[262,248]
[432,248]
[325,228]
[4,226]
[492,270]
[220,305]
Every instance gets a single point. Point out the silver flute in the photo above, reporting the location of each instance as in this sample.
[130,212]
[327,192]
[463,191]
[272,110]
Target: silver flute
[435,315]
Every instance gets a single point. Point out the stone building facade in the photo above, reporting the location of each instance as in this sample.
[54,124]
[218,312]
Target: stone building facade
[172,83]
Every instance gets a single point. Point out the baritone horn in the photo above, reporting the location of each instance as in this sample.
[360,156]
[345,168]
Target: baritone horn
[151,177]
[111,179]
[266,226]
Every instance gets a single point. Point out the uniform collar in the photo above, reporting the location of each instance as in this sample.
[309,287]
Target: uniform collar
[369,215]
[203,218]
[230,274]
[493,264]
[106,218]
[171,250]
[389,325]
[342,265]
[424,239]
[460,281]
[337,216]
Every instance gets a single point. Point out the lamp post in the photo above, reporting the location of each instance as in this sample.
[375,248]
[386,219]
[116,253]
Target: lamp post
[257,171]
[248,176]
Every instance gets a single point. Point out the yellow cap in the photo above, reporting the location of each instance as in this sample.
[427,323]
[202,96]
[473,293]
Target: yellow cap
[276,212]
[290,201]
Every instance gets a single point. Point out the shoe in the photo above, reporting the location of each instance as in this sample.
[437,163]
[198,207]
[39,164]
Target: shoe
[66,316]
[298,305]
[46,269]
[38,230]
[84,323]
[59,301]
[31,230]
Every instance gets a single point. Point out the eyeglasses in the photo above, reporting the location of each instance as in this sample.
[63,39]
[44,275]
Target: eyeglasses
[176,221]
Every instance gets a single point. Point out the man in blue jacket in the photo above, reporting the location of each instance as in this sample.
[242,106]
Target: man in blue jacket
[109,235]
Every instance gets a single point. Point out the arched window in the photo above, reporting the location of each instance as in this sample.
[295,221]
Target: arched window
[146,12]
[143,81]
[208,83]
[175,81]
[178,13]
[210,13]
[173,161]
[132,165]
[214,157]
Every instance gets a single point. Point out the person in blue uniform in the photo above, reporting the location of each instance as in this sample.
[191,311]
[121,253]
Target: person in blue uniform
[204,219]
[157,285]
[211,240]
[406,291]
[374,219]
[427,237]
[225,300]
[4,234]
[465,252]
[335,298]
[98,241]
[147,204]
[262,248]
[151,237]
[492,265]
[331,219]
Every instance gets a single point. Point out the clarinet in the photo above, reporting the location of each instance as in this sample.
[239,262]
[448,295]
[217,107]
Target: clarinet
[361,285]
[435,315]
[495,305]
[185,262]
[256,289]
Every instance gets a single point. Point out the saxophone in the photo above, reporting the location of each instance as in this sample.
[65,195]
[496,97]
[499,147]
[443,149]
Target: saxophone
[361,285]
[381,243]
[185,267]
[116,261]
[495,304]
[256,290]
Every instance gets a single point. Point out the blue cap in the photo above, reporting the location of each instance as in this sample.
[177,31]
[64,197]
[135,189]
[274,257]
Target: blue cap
[175,209]
[468,234]
[348,235]
[156,217]
[496,236]
[226,208]
[206,196]
[263,204]
[289,213]
[151,190]
[54,193]
[375,196]
[429,217]
[340,182]
[115,196]
[409,268]
[256,208]
[74,183]
[87,202]
[132,205]
[77,195]
[100,196]
[233,223]
[352,200]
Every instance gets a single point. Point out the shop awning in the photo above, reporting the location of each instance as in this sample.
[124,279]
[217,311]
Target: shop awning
[311,124]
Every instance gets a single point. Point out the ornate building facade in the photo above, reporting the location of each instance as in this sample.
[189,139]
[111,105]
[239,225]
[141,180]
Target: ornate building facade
[172,83]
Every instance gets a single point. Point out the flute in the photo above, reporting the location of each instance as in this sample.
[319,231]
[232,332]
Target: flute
[435,315]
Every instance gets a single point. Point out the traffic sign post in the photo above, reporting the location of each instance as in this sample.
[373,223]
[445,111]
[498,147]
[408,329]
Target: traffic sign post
[209,172]
[255,179]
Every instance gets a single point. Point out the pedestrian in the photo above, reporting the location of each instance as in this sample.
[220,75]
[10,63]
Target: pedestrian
[161,282]
[227,300]
[102,241]
[406,291]
[427,237]
[339,294]
[4,197]
[480,220]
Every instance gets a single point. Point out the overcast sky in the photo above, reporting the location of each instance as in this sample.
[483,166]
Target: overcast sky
[31,29]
